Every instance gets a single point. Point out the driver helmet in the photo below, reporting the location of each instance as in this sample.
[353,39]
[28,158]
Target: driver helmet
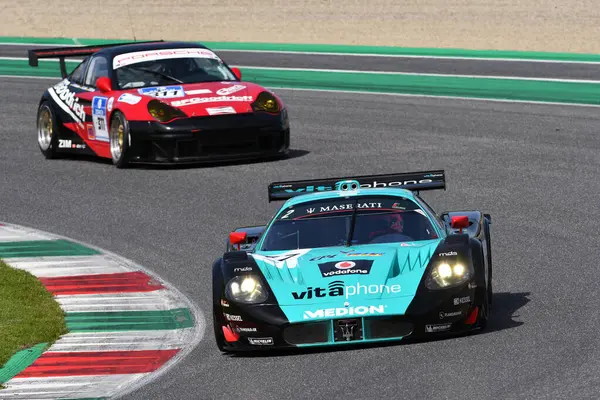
[388,223]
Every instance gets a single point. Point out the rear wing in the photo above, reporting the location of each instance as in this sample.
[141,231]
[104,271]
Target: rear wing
[415,181]
[75,51]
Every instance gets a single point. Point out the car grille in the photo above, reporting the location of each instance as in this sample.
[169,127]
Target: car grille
[372,328]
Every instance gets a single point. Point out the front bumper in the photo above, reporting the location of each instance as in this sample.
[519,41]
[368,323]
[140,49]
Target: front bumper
[215,138]
[264,327]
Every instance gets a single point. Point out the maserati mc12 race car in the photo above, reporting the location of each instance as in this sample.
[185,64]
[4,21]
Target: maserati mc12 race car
[353,260]
[157,102]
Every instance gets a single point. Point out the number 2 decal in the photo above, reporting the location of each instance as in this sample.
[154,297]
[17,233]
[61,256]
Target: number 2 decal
[287,214]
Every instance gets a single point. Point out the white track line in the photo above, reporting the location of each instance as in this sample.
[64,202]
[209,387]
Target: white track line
[354,71]
[326,53]
[549,103]
[497,100]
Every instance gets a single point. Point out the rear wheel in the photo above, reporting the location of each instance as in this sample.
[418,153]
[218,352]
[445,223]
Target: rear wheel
[119,140]
[47,130]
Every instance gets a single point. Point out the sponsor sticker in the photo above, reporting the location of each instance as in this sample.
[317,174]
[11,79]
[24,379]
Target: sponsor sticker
[64,143]
[129,98]
[355,267]
[152,55]
[244,269]
[345,311]
[230,317]
[110,104]
[363,254]
[202,100]
[90,132]
[437,328]
[220,110]
[230,90]
[462,300]
[68,98]
[163,92]
[68,144]
[337,288]
[444,314]
[266,341]
[99,118]
[243,329]
[448,254]
[198,91]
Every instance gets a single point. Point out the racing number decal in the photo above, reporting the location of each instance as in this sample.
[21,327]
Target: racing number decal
[288,259]
[99,118]
[287,214]
[164,92]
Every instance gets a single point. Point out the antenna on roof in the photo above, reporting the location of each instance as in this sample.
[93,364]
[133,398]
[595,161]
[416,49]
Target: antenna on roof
[130,22]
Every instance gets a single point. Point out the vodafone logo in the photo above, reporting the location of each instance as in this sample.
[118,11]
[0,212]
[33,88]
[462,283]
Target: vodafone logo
[345,264]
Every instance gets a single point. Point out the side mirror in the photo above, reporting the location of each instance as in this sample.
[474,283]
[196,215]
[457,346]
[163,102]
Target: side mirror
[459,222]
[237,73]
[104,84]
[237,238]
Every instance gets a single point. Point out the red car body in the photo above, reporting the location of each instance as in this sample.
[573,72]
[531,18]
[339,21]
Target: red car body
[158,102]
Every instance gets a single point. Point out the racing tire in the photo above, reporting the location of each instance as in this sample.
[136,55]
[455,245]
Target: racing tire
[119,139]
[489,261]
[47,130]
[219,338]
[484,313]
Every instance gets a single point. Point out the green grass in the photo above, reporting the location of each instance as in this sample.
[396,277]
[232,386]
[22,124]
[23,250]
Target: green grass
[29,315]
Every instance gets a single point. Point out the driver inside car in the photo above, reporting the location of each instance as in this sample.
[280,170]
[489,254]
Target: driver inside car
[388,228]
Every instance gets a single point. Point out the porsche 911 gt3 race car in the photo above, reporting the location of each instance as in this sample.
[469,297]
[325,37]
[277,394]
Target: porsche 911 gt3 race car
[353,260]
[157,102]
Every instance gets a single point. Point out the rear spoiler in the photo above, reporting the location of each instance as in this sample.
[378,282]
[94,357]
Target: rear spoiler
[415,181]
[63,52]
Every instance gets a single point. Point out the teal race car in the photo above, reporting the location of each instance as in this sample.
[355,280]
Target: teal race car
[353,260]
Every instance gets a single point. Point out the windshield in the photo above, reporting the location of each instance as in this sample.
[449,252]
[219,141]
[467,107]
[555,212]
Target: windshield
[169,66]
[348,222]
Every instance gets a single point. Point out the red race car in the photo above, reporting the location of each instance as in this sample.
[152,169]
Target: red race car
[157,102]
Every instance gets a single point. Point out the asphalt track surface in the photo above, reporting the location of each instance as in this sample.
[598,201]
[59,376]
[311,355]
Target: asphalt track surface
[533,167]
[525,69]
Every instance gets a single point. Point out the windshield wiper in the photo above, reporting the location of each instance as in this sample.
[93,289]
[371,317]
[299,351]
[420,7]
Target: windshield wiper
[352,222]
[156,73]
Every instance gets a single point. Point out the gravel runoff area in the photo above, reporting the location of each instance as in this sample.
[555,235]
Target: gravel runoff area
[542,25]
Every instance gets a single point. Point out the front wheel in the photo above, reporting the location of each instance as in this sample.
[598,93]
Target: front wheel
[119,140]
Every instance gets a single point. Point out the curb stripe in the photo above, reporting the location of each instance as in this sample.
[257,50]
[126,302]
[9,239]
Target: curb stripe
[143,301]
[44,248]
[20,361]
[7,234]
[102,283]
[129,320]
[133,325]
[97,363]
[73,387]
[125,341]
[68,266]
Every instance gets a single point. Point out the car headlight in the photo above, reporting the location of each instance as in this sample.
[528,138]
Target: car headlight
[246,289]
[445,274]
[266,102]
[163,112]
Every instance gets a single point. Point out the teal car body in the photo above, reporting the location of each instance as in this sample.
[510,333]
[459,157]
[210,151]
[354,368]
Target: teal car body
[349,263]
